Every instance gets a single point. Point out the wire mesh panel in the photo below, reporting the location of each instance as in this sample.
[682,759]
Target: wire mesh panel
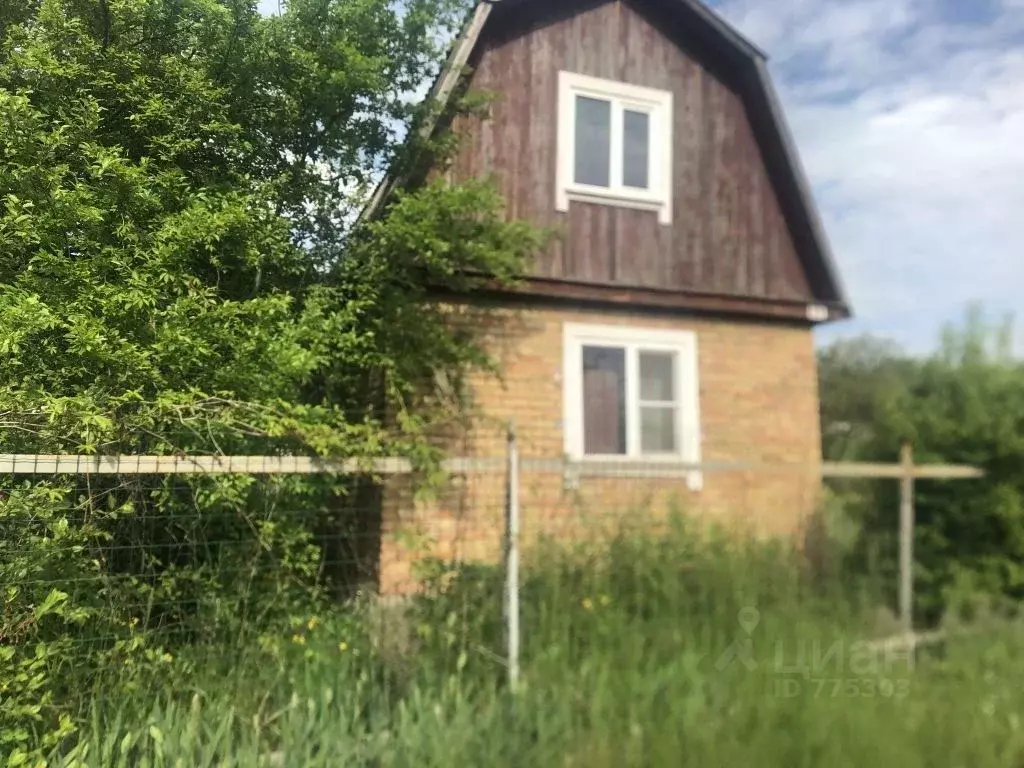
[181,558]
[113,582]
[140,600]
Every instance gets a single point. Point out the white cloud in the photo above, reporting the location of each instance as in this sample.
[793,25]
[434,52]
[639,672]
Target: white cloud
[911,125]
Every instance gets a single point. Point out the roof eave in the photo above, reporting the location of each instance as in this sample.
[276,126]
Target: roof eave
[739,41]
[439,94]
[802,183]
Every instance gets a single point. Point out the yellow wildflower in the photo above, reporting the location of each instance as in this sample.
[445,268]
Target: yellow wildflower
[342,646]
[312,623]
[300,639]
[588,604]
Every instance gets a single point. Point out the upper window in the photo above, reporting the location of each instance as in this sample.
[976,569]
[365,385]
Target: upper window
[631,394]
[614,144]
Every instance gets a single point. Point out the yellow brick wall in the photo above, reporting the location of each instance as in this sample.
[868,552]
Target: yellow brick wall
[758,402]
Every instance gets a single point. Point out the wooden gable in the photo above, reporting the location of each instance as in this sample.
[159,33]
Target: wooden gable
[743,234]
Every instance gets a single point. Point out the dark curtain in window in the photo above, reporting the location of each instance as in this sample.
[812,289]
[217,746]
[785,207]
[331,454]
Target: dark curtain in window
[604,401]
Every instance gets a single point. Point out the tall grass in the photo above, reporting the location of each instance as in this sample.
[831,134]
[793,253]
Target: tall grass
[625,664]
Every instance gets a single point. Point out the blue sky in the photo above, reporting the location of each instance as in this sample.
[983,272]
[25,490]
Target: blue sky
[909,117]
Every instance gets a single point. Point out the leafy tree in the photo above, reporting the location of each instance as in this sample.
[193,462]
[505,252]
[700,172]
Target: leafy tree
[179,178]
[861,380]
[180,271]
[964,404]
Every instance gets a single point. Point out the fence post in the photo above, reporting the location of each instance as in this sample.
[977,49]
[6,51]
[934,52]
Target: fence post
[512,559]
[906,595]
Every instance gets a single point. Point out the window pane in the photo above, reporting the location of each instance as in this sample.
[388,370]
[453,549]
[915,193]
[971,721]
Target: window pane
[636,149]
[656,377]
[657,429]
[593,141]
[604,401]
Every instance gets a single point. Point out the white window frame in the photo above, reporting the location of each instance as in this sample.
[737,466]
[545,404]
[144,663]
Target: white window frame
[683,346]
[657,104]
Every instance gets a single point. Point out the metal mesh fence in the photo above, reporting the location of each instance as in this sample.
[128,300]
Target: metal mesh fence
[174,553]
[114,583]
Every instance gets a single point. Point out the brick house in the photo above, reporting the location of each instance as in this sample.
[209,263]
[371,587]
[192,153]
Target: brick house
[671,322]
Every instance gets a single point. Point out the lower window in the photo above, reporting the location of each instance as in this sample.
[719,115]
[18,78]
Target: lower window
[631,394]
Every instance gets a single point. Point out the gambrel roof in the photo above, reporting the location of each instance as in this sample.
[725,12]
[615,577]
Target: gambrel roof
[748,67]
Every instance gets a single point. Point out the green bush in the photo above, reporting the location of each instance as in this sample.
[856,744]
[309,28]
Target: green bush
[963,404]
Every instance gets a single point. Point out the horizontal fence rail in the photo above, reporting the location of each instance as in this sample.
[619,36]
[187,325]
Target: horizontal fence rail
[71,464]
[68,464]
[897,471]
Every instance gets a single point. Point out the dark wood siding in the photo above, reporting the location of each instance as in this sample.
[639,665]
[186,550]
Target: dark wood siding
[728,234]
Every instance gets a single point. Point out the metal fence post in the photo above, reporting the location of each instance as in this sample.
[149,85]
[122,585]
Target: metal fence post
[906,594]
[512,559]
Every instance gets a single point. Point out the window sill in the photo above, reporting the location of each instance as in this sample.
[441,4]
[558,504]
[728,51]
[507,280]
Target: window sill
[652,467]
[616,199]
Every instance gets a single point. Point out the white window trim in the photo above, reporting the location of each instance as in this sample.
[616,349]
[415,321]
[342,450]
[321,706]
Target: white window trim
[682,343]
[658,104]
